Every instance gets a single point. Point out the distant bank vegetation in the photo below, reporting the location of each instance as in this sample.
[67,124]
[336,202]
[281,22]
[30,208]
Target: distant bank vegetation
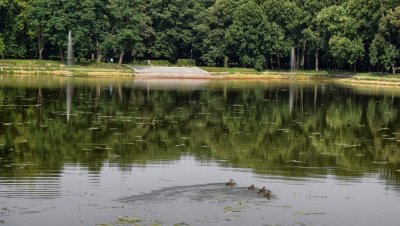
[361,35]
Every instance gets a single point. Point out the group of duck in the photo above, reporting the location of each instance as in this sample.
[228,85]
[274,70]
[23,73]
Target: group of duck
[263,191]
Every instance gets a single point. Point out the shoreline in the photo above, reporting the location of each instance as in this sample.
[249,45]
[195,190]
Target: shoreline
[359,79]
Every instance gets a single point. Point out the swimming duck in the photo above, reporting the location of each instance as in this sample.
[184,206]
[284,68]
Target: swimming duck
[231,182]
[262,191]
[252,187]
[268,195]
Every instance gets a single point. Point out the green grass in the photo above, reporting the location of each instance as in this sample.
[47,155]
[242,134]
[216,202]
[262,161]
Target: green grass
[90,67]
[231,70]
[29,63]
[49,64]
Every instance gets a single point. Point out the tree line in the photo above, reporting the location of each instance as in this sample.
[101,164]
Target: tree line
[330,34]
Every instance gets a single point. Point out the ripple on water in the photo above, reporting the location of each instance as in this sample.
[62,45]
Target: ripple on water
[207,193]
[45,186]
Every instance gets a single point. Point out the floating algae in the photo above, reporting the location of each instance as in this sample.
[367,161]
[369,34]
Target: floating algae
[127,220]
[236,207]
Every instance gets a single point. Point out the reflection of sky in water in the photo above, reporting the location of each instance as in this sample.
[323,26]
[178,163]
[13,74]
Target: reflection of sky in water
[168,193]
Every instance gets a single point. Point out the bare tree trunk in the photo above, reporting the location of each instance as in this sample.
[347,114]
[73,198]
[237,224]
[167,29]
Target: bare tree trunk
[355,66]
[316,60]
[226,61]
[393,69]
[303,55]
[279,61]
[61,54]
[270,58]
[98,52]
[121,56]
[40,45]
[40,54]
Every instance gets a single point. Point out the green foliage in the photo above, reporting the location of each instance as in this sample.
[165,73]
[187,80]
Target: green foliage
[2,47]
[249,33]
[173,22]
[345,50]
[152,62]
[128,17]
[185,62]
[385,47]
[382,52]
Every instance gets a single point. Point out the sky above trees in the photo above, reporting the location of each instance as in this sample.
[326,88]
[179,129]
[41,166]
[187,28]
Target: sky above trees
[329,34]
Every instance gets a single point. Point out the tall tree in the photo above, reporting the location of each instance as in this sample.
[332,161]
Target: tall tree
[173,22]
[77,16]
[385,48]
[39,15]
[101,25]
[345,50]
[210,29]
[13,27]
[128,21]
[253,36]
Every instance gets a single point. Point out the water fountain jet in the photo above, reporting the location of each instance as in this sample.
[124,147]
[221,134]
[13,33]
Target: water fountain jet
[293,60]
[70,54]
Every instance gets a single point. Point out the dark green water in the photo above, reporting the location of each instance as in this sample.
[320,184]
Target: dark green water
[84,152]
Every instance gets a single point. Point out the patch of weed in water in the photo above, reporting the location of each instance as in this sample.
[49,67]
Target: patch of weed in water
[127,220]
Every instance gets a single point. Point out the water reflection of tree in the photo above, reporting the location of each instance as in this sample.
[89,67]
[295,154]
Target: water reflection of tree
[335,131]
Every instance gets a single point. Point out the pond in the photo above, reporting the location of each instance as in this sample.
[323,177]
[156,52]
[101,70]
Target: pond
[158,152]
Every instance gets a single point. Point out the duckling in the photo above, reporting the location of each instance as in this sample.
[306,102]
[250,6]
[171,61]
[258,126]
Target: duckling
[268,195]
[231,182]
[252,187]
[262,190]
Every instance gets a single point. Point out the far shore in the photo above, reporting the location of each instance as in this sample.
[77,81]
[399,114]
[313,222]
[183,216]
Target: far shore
[110,71]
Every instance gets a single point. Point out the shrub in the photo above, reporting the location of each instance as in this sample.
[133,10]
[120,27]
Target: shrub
[185,62]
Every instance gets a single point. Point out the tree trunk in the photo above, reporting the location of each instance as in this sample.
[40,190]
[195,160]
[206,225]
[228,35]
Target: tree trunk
[98,52]
[40,54]
[279,60]
[355,66]
[40,45]
[61,54]
[226,61]
[393,69]
[303,55]
[316,60]
[270,58]
[121,56]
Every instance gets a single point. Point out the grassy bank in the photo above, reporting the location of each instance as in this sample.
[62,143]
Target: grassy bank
[92,69]
[46,67]
[333,76]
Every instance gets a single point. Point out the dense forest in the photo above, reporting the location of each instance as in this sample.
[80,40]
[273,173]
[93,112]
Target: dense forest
[361,35]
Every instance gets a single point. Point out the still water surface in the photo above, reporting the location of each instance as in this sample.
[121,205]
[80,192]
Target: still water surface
[151,152]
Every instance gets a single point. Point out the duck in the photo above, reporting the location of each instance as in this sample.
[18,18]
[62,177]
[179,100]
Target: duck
[231,182]
[262,191]
[268,195]
[252,187]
